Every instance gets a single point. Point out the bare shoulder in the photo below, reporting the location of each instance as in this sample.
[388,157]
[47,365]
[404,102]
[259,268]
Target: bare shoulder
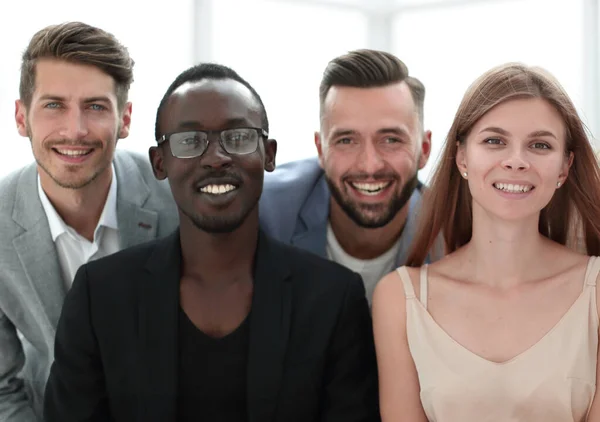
[390,285]
[389,296]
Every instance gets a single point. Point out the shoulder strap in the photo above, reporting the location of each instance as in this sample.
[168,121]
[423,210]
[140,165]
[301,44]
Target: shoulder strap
[593,270]
[423,281]
[409,291]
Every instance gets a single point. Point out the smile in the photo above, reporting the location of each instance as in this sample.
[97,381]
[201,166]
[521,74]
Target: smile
[513,188]
[73,152]
[370,188]
[218,189]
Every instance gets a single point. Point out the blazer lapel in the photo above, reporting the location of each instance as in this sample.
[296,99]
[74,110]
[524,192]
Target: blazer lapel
[36,250]
[158,312]
[136,223]
[269,329]
[311,231]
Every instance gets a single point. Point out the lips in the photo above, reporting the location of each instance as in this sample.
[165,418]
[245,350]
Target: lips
[218,189]
[370,188]
[514,187]
[218,185]
[73,152]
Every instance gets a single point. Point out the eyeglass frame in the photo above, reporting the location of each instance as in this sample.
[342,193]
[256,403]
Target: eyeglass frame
[260,131]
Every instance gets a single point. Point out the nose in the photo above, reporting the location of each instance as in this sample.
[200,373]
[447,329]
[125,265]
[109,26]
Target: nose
[215,156]
[370,160]
[75,125]
[515,160]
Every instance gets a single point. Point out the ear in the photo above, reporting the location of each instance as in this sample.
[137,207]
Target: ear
[21,117]
[125,121]
[461,158]
[425,149]
[270,153]
[157,162]
[319,146]
[566,167]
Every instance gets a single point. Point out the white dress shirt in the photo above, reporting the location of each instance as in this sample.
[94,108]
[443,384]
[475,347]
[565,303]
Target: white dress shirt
[72,248]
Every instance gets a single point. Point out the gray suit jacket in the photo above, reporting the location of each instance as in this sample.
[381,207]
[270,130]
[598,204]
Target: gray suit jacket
[31,285]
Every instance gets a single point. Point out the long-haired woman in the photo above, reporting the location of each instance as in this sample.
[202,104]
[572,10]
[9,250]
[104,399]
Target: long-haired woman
[505,327]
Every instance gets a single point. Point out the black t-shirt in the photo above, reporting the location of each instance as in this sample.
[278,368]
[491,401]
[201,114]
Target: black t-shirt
[212,374]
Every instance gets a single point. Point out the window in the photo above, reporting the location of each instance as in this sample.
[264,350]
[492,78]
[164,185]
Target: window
[281,49]
[449,47]
[160,43]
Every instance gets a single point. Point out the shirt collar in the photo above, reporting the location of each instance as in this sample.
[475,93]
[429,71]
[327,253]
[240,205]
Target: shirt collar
[108,218]
[109,213]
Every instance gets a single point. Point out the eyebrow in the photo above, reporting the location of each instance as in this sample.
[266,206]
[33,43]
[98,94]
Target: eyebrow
[85,100]
[343,132]
[540,133]
[101,99]
[395,130]
[229,123]
[536,134]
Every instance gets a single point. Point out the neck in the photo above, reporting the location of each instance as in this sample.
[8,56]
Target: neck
[361,242]
[79,208]
[215,258]
[503,253]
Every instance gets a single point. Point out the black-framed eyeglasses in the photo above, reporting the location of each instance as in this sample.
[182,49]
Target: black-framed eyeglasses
[238,141]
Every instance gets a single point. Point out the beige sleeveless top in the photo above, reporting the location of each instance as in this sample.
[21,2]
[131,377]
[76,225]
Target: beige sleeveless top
[552,381]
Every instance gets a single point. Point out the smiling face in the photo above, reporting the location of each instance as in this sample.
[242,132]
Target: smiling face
[73,122]
[371,147]
[515,158]
[215,191]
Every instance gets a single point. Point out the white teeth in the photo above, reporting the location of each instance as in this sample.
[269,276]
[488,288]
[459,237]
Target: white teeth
[73,152]
[217,189]
[370,188]
[513,188]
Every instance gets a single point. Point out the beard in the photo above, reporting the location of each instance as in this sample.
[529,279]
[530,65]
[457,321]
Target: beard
[219,224]
[68,183]
[372,216]
[75,183]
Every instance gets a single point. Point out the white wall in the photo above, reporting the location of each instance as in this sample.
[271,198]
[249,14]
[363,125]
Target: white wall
[449,47]
[160,43]
[282,47]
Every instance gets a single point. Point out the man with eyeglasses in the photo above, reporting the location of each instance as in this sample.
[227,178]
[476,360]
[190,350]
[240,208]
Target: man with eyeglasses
[217,321]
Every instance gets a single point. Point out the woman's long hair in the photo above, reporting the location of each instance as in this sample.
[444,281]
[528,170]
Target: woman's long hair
[573,214]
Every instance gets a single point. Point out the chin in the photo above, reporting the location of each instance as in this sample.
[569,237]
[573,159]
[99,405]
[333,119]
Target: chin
[516,216]
[217,223]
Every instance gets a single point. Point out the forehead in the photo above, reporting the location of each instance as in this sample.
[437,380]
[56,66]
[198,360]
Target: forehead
[520,117]
[71,80]
[371,108]
[210,104]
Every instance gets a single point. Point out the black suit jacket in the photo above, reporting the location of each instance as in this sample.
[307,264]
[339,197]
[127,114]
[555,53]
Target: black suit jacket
[311,352]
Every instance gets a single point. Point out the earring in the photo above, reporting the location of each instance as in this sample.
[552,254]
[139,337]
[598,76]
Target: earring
[558,184]
[465,174]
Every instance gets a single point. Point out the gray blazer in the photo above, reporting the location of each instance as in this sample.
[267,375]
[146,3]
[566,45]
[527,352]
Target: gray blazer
[31,285]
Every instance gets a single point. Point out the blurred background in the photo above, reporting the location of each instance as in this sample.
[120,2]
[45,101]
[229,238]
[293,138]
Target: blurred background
[282,46]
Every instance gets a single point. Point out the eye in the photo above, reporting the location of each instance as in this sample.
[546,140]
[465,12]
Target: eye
[392,140]
[190,140]
[344,141]
[493,141]
[541,145]
[237,137]
[97,107]
[53,105]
